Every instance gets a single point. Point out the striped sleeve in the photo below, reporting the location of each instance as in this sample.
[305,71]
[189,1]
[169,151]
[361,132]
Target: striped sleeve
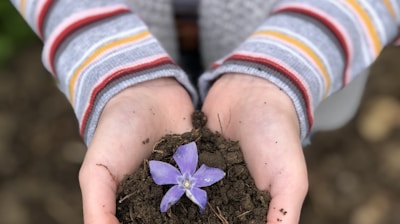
[95,49]
[312,48]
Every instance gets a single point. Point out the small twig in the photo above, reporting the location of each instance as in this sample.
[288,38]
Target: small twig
[219,215]
[220,124]
[243,214]
[169,213]
[263,201]
[156,144]
[131,212]
[158,151]
[125,197]
[198,138]
[222,217]
[145,166]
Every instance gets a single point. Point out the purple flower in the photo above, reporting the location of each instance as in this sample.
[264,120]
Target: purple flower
[186,179]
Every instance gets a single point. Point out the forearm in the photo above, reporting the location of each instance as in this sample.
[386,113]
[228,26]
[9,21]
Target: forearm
[312,48]
[95,49]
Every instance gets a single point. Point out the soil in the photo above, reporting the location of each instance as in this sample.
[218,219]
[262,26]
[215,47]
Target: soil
[234,199]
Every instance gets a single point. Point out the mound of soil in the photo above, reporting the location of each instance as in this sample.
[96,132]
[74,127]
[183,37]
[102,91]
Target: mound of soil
[234,199]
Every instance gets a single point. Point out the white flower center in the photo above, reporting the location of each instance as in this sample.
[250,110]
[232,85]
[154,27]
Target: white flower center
[186,184]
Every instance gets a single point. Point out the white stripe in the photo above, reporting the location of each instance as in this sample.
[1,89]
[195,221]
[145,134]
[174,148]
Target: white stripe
[367,57]
[30,15]
[337,25]
[299,56]
[369,39]
[119,49]
[396,10]
[116,69]
[286,66]
[16,3]
[83,77]
[94,47]
[39,7]
[67,22]
[377,21]
[310,45]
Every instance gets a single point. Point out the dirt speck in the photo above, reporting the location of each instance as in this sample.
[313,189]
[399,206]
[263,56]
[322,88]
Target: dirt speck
[283,211]
[147,140]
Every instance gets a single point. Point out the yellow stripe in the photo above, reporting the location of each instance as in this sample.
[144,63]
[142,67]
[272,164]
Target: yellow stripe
[390,8]
[98,52]
[369,25]
[22,6]
[305,49]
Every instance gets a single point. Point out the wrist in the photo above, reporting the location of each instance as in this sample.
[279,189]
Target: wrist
[160,99]
[236,89]
[155,92]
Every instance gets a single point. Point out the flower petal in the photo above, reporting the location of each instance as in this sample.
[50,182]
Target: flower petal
[171,197]
[186,157]
[198,196]
[163,173]
[206,176]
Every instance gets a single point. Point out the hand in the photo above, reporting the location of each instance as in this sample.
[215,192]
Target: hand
[145,111]
[263,119]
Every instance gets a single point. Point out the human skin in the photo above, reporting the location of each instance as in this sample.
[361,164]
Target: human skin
[248,109]
[147,110]
[263,119]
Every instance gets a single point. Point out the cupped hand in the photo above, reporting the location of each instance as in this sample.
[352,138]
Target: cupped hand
[263,119]
[129,125]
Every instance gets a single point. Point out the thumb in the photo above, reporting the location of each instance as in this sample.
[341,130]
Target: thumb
[286,203]
[285,208]
[96,180]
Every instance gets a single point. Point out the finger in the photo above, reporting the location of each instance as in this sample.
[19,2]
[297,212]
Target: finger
[285,207]
[109,158]
[283,176]
[287,182]
[98,189]
[276,162]
[288,191]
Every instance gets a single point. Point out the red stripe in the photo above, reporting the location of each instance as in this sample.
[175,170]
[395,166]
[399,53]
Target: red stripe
[74,26]
[327,22]
[285,72]
[215,65]
[116,75]
[42,16]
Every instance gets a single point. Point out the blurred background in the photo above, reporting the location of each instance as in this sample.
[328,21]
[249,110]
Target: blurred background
[354,172]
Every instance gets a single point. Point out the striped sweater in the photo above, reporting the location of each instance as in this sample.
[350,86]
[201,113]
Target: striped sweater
[309,48]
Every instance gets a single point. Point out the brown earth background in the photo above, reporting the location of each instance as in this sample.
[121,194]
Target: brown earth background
[354,172]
